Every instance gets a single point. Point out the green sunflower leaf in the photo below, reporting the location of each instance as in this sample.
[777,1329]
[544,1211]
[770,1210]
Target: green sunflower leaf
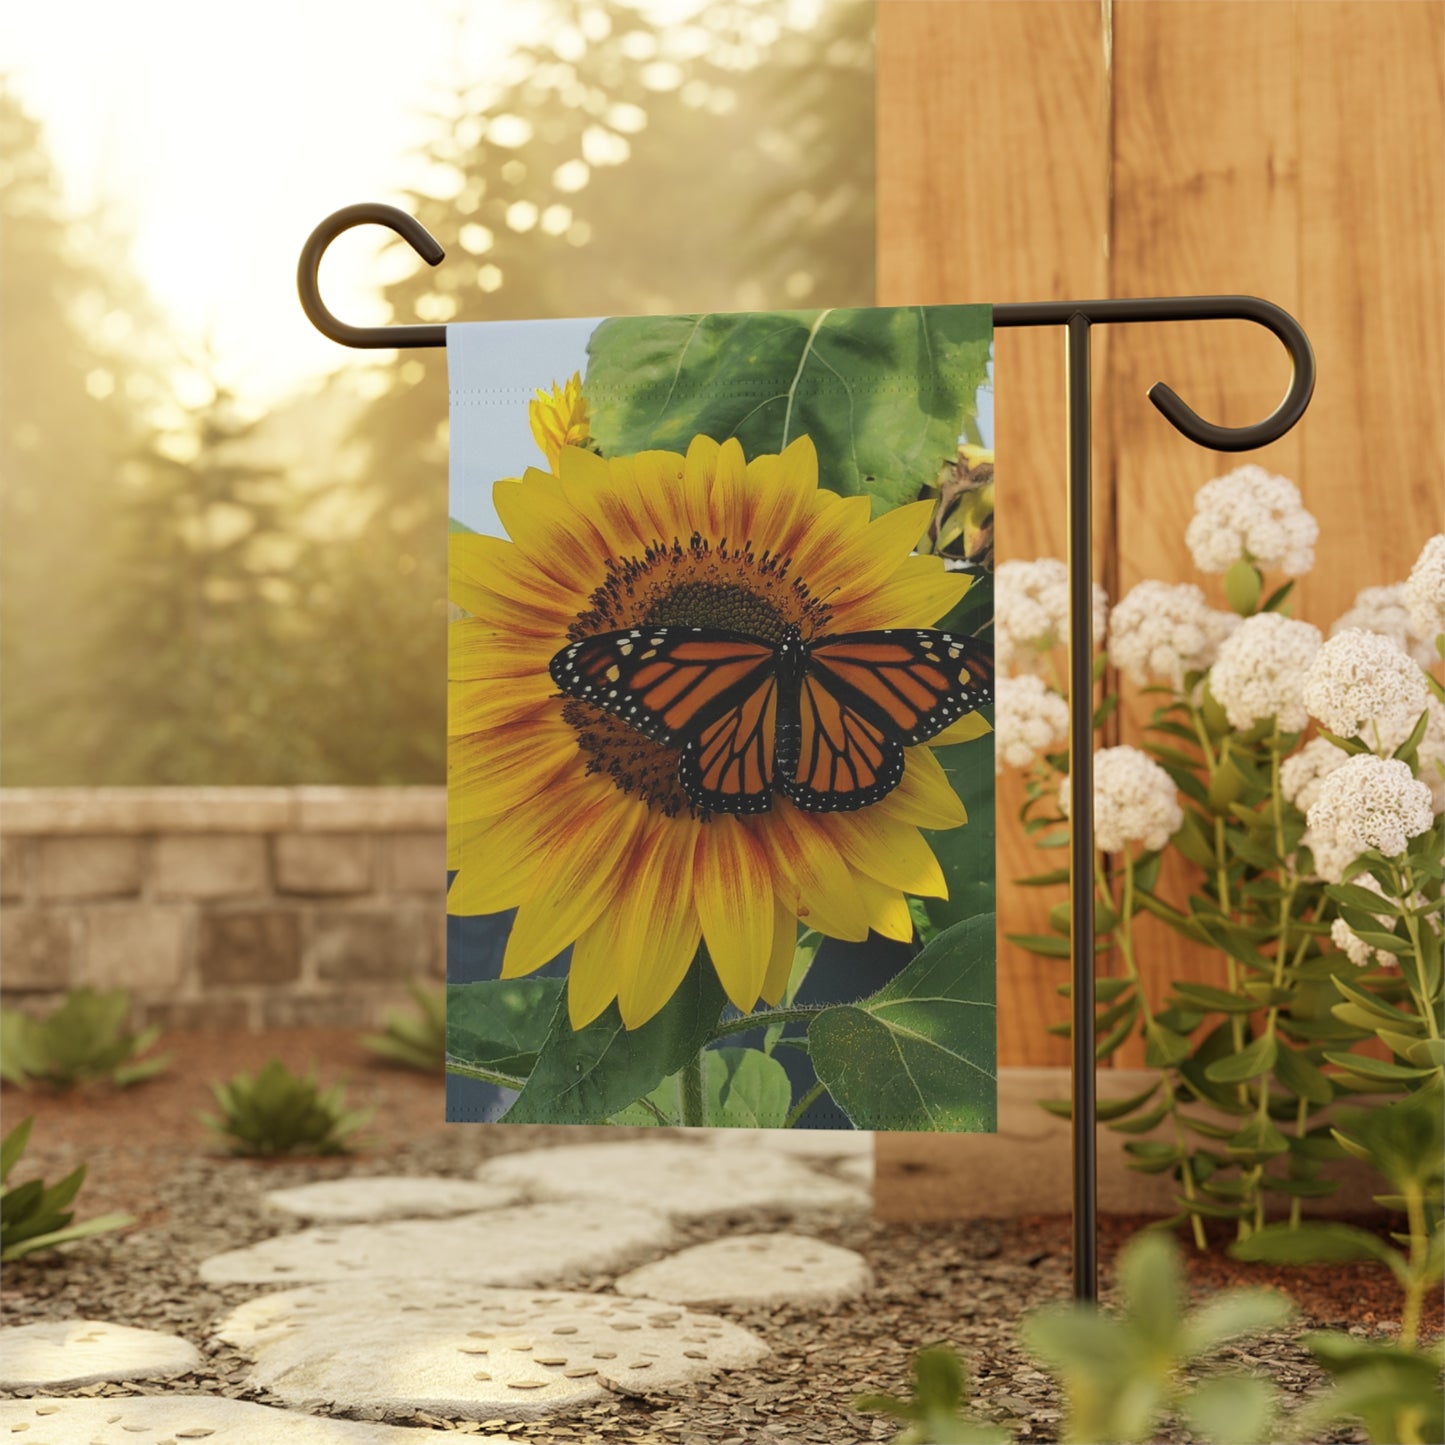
[966,854]
[745,1089]
[768,378]
[921,1052]
[500,1024]
[585,1076]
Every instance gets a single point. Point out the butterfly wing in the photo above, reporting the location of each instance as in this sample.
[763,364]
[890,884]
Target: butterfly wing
[710,693]
[865,696]
[728,766]
[912,681]
[844,758]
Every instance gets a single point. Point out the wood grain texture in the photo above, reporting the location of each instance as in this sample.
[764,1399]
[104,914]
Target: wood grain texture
[1206,167]
[1294,150]
[1372,288]
[992,186]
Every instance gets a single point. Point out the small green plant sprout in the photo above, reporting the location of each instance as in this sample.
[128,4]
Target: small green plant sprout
[278,1112]
[937,1411]
[82,1041]
[417,1040]
[1393,1387]
[1121,1372]
[33,1215]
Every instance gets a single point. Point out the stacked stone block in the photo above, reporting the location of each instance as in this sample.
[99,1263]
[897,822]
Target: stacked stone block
[223,907]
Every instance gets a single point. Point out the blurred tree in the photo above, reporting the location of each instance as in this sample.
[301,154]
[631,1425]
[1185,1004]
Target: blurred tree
[72,405]
[202,653]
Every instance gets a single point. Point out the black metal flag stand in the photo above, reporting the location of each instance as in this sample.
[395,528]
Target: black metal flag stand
[1078,317]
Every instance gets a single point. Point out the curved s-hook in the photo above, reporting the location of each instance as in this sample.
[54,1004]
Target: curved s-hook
[308,269]
[1179,413]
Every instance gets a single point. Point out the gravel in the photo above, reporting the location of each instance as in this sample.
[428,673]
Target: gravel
[967,1284]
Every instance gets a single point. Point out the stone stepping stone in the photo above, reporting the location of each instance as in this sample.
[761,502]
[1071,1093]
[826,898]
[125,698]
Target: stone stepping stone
[388,1196]
[523,1245]
[685,1180]
[753,1269]
[480,1354]
[182,1419]
[89,1352]
[823,1145]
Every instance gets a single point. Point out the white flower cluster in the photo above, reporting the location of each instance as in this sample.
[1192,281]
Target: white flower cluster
[1261,668]
[1331,856]
[1160,631]
[1361,685]
[1031,613]
[1135,801]
[1369,802]
[1383,610]
[1029,719]
[1301,773]
[1425,590]
[1351,944]
[1255,516]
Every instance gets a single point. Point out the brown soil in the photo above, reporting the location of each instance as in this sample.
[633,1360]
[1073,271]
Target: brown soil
[147,1129]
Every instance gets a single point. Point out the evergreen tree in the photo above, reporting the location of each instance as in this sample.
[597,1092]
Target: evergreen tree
[71,400]
[204,648]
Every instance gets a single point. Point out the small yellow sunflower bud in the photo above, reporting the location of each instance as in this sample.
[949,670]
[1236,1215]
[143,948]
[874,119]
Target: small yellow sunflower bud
[559,419]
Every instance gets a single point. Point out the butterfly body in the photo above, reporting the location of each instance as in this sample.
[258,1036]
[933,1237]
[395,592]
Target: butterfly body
[823,721]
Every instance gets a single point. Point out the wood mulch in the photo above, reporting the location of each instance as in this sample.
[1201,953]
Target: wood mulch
[966,1283]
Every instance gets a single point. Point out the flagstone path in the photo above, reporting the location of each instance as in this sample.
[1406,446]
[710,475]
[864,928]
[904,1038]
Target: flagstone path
[467,1318]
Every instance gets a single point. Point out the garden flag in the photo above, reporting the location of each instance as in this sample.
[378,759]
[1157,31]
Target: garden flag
[720,765]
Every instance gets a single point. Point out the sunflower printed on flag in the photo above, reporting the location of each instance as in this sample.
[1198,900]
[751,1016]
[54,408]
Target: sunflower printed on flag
[710,717]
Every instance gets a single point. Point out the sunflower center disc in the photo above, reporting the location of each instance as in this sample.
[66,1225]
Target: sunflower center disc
[711,604]
[697,584]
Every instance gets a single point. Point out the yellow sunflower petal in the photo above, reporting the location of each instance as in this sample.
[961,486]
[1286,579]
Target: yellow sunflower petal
[864,560]
[887,908]
[608,497]
[474,707]
[490,578]
[784,495]
[840,526]
[658,477]
[493,772]
[971,725]
[732,885]
[669,942]
[891,852]
[811,873]
[575,880]
[728,512]
[917,595]
[476,650]
[556,539]
[699,473]
[780,957]
[925,798]
[596,970]
[496,862]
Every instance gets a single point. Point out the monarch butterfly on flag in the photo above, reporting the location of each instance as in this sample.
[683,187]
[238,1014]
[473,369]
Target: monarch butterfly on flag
[824,722]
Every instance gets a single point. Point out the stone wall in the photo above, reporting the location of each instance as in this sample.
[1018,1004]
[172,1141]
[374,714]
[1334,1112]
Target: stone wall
[223,907]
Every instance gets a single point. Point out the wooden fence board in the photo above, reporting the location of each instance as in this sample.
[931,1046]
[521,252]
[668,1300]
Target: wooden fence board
[1295,150]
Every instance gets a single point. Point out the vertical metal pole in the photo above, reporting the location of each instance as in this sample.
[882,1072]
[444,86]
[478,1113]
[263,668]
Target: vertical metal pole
[1081,795]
